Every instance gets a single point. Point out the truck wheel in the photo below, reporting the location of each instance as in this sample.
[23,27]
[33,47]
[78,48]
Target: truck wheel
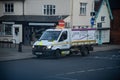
[84,51]
[57,54]
[70,53]
[39,56]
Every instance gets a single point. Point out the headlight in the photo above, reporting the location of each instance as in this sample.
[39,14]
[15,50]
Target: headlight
[49,47]
[33,46]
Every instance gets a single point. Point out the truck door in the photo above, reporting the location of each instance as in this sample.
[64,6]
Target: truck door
[64,41]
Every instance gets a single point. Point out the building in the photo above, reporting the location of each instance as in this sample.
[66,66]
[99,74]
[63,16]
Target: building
[32,20]
[103,18]
[25,20]
[25,23]
[115,23]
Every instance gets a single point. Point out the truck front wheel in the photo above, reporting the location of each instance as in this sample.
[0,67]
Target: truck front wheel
[84,51]
[57,54]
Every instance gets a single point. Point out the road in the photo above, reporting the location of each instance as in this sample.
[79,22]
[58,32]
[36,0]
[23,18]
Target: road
[96,66]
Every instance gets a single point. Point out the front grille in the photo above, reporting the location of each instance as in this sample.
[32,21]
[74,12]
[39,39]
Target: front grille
[40,47]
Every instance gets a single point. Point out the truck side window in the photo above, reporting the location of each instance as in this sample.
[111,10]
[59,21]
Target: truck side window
[63,36]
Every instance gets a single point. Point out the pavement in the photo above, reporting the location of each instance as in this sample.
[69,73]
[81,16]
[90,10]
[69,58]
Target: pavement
[7,53]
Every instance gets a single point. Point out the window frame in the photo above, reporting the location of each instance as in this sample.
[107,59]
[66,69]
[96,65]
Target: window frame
[3,26]
[8,7]
[49,9]
[63,36]
[83,8]
[8,27]
[103,18]
[99,25]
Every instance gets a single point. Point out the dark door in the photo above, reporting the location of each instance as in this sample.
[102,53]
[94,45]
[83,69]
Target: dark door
[27,35]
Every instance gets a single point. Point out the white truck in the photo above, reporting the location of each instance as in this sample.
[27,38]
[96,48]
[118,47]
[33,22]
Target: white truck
[61,42]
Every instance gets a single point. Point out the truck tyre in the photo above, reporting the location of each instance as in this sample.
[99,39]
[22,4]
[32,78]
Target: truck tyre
[70,53]
[84,51]
[39,56]
[57,54]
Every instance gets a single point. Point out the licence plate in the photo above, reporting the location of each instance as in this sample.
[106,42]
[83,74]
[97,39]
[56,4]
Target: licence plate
[39,53]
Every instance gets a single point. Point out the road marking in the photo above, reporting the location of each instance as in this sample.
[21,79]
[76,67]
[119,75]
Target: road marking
[112,57]
[71,73]
[115,55]
[89,70]
[99,69]
[64,78]
[80,71]
[60,76]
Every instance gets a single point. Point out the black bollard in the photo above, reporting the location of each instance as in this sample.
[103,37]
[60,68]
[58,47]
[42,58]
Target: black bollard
[20,47]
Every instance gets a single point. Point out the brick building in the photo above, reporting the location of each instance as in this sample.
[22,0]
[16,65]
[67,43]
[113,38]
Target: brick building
[115,23]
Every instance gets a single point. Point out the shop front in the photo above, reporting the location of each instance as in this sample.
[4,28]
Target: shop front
[30,27]
[36,30]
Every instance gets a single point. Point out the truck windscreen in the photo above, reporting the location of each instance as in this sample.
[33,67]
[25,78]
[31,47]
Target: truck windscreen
[50,35]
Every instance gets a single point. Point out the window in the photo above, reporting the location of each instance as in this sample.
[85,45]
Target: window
[49,10]
[99,25]
[67,24]
[6,29]
[63,36]
[103,18]
[97,0]
[1,29]
[83,8]
[50,35]
[9,7]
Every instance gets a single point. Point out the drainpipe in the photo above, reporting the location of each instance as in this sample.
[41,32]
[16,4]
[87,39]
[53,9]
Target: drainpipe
[23,7]
[71,15]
